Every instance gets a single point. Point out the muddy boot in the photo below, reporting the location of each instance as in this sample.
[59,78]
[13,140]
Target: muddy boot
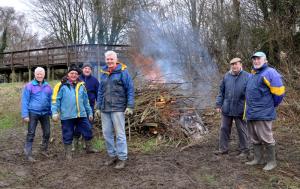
[28,152]
[270,156]
[258,158]
[75,145]
[44,148]
[121,164]
[68,151]
[89,148]
[110,161]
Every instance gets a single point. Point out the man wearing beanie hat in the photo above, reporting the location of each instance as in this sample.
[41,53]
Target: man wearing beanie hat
[36,107]
[92,85]
[264,93]
[70,103]
[230,102]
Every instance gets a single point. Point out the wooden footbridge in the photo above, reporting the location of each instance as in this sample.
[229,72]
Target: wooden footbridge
[19,65]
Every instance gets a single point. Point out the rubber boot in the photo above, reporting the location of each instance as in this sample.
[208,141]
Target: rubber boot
[28,152]
[258,155]
[68,151]
[271,157]
[75,144]
[89,147]
[44,148]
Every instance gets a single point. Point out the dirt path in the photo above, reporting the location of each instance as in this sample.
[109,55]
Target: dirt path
[195,167]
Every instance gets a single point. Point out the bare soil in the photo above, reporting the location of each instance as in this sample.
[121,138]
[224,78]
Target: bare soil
[168,167]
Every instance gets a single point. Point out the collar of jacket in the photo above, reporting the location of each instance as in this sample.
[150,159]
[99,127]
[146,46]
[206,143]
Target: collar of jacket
[86,77]
[231,72]
[258,70]
[120,67]
[35,82]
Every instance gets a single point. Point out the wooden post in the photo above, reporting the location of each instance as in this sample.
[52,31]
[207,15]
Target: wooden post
[12,68]
[19,76]
[52,73]
[29,67]
[13,75]
[48,73]
[29,74]
[48,67]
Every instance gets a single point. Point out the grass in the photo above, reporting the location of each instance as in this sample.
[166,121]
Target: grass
[10,105]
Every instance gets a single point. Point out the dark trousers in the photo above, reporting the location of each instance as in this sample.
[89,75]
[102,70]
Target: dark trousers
[242,131]
[80,125]
[45,124]
[77,133]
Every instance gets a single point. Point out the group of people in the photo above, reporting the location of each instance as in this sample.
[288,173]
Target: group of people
[250,100]
[73,100]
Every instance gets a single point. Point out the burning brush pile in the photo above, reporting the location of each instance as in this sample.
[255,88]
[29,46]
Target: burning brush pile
[160,109]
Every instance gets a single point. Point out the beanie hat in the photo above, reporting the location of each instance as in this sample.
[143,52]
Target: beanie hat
[87,65]
[73,67]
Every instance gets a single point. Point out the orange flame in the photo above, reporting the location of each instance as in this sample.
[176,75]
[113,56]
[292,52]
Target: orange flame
[147,66]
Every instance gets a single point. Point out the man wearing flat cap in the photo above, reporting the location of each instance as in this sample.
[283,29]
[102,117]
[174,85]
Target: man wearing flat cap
[230,103]
[264,92]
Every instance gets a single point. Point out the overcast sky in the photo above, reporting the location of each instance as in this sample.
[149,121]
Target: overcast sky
[22,6]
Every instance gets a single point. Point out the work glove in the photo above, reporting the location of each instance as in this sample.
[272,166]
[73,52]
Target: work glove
[219,110]
[98,114]
[55,117]
[26,119]
[91,118]
[128,111]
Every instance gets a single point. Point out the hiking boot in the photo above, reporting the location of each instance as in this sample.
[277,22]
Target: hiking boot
[110,161]
[271,159]
[220,152]
[68,151]
[75,144]
[258,155]
[121,164]
[89,147]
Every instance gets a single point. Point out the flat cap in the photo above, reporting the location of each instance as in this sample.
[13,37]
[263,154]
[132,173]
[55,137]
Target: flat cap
[234,60]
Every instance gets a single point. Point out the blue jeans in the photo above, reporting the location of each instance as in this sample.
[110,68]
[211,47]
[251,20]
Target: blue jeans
[82,125]
[45,124]
[114,122]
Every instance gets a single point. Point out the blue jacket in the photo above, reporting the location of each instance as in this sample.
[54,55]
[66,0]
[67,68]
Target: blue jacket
[71,101]
[264,92]
[231,97]
[92,86]
[36,98]
[116,91]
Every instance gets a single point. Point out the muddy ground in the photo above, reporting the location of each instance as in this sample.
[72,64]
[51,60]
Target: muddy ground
[168,167]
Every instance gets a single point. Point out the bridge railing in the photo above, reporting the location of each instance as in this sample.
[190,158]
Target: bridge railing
[55,56]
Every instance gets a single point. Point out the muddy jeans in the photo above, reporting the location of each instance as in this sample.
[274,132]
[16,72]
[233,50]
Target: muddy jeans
[45,124]
[226,124]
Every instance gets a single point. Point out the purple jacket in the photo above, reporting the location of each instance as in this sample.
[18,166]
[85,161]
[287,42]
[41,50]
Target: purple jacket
[36,98]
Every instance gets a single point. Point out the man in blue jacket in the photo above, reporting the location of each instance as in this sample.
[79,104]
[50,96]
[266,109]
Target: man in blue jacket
[92,85]
[70,103]
[36,106]
[230,102]
[115,98]
[264,93]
